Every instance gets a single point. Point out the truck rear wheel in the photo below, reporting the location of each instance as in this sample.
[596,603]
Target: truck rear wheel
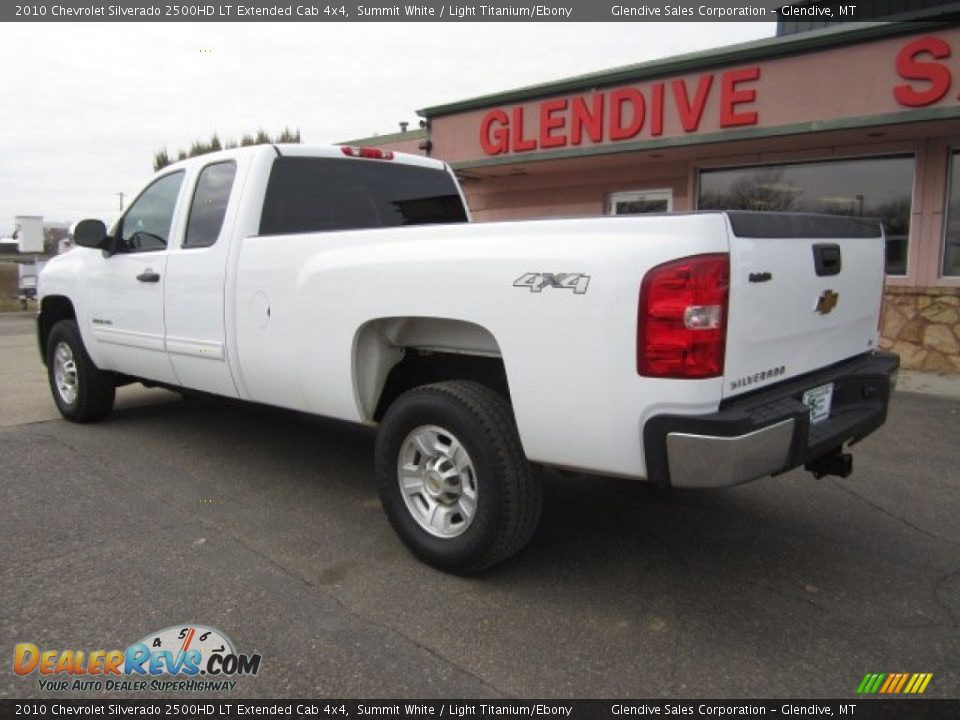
[82,392]
[453,478]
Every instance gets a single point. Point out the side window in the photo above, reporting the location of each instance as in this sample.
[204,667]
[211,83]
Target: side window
[209,204]
[314,194]
[146,225]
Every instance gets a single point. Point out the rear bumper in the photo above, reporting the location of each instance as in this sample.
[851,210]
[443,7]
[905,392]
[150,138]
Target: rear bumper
[769,431]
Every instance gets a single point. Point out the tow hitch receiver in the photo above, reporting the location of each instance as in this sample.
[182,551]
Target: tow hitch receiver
[835,462]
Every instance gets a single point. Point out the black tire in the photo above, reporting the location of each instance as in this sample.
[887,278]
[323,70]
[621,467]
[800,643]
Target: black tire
[94,391]
[508,487]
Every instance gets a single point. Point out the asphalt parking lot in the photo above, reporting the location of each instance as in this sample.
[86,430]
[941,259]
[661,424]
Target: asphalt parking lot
[265,524]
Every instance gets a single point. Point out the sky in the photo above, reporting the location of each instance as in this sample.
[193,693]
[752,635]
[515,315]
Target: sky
[88,104]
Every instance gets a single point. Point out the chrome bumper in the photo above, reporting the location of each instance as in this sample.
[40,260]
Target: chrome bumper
[768,432]
[703,461]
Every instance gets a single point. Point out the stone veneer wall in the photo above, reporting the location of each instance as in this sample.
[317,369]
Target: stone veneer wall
[922,325]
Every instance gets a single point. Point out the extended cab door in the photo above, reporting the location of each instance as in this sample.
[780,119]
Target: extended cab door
[125,289]
[196,282]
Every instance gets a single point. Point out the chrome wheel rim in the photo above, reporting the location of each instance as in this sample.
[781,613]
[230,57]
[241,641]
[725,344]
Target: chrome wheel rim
[65,373]
[438,481]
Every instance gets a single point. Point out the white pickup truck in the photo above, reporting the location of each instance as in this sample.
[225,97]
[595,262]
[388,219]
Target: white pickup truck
[691,350]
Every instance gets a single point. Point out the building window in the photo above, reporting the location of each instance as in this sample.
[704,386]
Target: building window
[642,201]
[951,235]
[871,187]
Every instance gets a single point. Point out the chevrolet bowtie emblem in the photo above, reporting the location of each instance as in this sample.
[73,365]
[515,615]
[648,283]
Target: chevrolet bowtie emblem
[827,301]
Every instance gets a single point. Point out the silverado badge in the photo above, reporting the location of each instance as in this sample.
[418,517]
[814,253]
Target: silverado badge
[827,301]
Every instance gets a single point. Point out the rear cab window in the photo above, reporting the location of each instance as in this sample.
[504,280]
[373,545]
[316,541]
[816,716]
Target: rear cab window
[307,194]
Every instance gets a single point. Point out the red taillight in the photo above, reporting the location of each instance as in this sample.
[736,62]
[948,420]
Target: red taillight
[366,152]
[682,318]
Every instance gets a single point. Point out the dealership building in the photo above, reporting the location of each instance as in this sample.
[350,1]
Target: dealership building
[855,120]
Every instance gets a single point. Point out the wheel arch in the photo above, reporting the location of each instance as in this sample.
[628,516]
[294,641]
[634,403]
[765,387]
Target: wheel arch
[393,354]
[53,309]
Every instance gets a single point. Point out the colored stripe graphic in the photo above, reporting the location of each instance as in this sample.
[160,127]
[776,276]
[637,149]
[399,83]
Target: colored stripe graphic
[870,683]
[894,683]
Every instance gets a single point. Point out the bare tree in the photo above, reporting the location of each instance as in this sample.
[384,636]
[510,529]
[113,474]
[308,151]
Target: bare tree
[162,158]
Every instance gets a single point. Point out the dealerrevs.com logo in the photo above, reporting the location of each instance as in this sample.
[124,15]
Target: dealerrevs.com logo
[185,657]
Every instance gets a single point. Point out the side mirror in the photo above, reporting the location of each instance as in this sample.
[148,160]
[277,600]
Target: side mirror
[90,233]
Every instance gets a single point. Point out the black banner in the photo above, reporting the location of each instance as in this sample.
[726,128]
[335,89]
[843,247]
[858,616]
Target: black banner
[857,709]
[629,11]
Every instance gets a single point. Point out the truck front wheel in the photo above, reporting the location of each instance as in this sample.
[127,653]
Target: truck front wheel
[453,478]
[82,392]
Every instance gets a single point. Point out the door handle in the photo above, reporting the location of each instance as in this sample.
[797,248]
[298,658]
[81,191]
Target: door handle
[148,275]
[827,259]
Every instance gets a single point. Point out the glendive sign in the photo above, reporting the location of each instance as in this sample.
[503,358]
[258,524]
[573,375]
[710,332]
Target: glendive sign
[728,99]
[622,113]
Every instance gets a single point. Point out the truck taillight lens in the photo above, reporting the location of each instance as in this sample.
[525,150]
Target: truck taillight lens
[682,318]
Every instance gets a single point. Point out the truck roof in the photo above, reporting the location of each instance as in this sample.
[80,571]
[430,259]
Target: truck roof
[302,150]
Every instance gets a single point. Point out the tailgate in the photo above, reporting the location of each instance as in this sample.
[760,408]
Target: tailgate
[805,293]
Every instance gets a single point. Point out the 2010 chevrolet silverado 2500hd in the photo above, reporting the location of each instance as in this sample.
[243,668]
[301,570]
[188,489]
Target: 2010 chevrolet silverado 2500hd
[697,350]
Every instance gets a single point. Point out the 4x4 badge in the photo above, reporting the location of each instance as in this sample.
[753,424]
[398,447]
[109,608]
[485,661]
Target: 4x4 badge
[577,282]
[827,301]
